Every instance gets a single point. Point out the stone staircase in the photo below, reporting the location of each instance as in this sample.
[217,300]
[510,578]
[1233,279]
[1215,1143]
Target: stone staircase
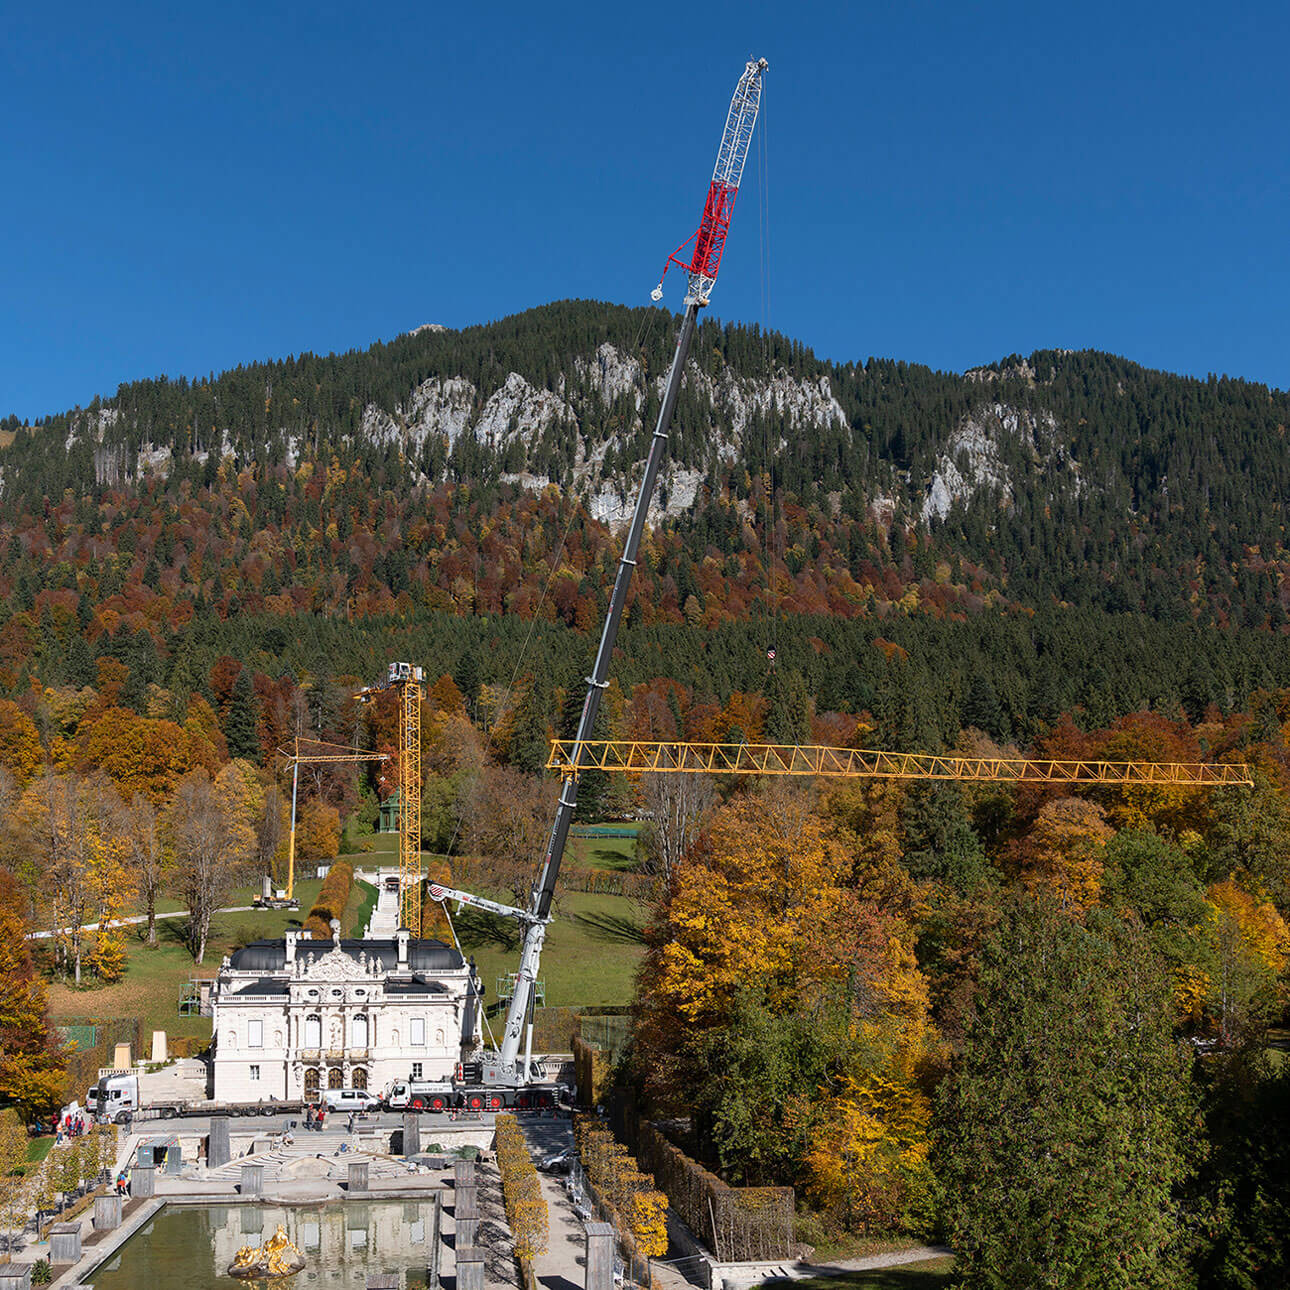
[324,1148]
[384,921]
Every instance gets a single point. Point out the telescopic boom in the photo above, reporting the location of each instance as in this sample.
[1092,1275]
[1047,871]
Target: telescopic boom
[709,242]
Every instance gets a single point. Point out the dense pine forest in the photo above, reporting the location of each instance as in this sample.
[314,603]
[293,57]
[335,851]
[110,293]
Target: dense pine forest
[933,1010]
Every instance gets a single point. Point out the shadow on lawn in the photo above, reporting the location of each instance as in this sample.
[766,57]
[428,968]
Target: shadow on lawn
[611,927]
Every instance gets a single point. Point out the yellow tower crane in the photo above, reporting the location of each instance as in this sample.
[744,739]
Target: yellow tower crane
[646,756]
[296,759]
[407,679]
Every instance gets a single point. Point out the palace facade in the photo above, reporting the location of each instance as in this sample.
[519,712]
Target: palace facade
[296,1016]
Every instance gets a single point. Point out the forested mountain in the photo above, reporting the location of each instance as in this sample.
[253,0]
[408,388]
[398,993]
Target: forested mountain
[327,506]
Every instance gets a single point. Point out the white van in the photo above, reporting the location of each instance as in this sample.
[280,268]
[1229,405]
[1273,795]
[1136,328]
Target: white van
[350,1099]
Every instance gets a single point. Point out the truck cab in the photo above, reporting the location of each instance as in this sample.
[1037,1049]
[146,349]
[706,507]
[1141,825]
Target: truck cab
[420,1095]
[117,1099]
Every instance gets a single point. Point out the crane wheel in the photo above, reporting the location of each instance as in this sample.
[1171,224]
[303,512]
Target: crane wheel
[417,1104]
[475,1102]
[436,1104]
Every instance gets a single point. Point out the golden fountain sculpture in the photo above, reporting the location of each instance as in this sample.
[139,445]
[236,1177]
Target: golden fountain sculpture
[277,1257]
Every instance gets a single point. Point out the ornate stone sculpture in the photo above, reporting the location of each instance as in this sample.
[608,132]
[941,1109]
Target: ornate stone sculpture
[277,1257]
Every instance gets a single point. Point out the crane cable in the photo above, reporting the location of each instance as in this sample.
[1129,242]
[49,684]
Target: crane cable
[772,617]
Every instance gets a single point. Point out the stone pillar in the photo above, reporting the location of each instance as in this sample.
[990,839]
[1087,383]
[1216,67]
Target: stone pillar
[252,1180]
[435,1259]
[600,1256]
[65,1243]
[143,1182]
[383,1281]
[470,1271]
[466,1218]
[411,1134]
[15,1276]
[107,1213]
[218,1151]
[358,1175]
[465,1196]
[174,1159]
[122,1057]
[463,1172]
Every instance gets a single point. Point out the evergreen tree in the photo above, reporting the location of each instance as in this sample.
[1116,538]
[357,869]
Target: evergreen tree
[1063,1127]
[240,719]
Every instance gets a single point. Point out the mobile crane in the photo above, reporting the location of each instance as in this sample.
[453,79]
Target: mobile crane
[505,1078]
[503,1070]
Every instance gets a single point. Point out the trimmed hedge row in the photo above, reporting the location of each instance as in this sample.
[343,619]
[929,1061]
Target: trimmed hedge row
[333,896]
[526,1210]
[637,1208]
[740,1224]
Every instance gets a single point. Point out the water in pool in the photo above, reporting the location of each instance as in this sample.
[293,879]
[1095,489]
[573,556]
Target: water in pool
[191,1248]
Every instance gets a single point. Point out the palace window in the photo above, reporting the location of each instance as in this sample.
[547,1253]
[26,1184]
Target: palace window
[255,1072]
[418,1039]
[255,1035]
[311,1083]
[416,1070]
[313,1032]
[360,1031]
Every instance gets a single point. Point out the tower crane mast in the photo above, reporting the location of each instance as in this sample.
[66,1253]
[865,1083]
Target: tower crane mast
[504,1068]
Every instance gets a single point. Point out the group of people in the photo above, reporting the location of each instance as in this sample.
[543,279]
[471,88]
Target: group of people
[316,1116]
[71,1124]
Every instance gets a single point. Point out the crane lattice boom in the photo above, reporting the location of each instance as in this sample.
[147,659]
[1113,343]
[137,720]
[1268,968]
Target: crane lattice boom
[652,756]
[710,238]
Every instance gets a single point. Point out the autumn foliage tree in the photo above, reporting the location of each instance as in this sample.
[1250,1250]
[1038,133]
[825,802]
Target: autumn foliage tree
[31,1066]
[789,1014]
[209,829]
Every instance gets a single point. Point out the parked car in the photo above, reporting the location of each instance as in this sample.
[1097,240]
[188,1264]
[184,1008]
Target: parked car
[558,1163]
[351,1099]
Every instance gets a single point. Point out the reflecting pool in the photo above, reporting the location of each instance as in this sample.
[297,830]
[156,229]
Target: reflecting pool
[190,1248]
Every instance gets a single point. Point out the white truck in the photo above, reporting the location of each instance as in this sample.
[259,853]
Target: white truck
[117,1099]
[420,1095]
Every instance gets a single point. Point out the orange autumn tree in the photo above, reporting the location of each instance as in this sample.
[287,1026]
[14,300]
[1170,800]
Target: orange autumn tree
[1062,853]
[777,1003]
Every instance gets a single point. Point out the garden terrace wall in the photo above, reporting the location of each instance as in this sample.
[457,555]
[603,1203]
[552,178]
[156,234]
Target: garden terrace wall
[739,1224]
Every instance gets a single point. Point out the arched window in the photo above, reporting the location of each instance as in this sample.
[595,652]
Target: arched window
[358,1078]
[360,1031]
[313,1032]
[335,1078]
[311,1083]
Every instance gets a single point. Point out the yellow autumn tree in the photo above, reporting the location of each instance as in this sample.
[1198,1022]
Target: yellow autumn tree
[1238,979]
[788,1012]
[1062,853]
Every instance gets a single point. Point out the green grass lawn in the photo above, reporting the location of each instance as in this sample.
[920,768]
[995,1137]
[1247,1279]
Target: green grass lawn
[929,1274]
[38,1148]
[602,853]
[590,956]
[153,978]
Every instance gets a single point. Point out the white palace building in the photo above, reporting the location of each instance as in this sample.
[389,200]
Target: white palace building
[296,1016]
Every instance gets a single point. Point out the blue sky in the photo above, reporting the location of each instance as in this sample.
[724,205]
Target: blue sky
[190,187]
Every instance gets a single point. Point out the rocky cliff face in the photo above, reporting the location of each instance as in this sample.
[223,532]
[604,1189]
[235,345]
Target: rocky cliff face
[593,423]
[976,457]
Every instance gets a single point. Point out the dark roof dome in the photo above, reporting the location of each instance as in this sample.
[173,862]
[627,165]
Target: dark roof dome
[423,955]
